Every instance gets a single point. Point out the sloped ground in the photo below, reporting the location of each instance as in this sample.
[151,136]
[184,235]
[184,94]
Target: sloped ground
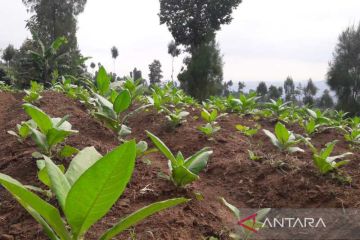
[278,181]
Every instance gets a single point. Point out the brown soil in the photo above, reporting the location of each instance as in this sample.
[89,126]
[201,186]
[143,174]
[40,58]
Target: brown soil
[279,181]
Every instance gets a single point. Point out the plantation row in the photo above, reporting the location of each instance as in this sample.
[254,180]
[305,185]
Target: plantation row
[100,180]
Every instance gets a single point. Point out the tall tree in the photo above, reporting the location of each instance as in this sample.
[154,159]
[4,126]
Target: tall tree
[193,24]
[174,51]
[326,100]
[114,55]
[227,88]
[344,71]
[289,88]
[52,19]
[262,90]
[241,86]
[309,93]
[155,72]
[8,54]
[204,74]
[275,92]
[136,74]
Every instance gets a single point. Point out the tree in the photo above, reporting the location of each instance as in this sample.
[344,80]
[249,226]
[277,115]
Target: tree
[53,19]
[193,23]
[343,75]
[274,92]
[114,55]
[155,72]
[289,88]
[309,93]
[174,51]
[227,88]
[203,76]
[8,54]
[136,74]
[241,86]
[262,90]
[326,100]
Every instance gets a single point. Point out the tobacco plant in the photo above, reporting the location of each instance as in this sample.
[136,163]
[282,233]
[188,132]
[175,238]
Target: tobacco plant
[323,160]
[111,113]
[85,193]
[209,129]
[46,132]
[23,130]
[182,171]
[256,223]
[247,131]
[33,94]
[277,107]
[245,104]
[284,139]
[176,117]
[211,126]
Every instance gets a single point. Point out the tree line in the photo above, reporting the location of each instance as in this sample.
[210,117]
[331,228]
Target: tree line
[53,51]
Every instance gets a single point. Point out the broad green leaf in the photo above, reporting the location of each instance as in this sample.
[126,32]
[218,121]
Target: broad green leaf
[233,209]
[282,133]
[55,136]
[32,203]
[103,81]
[198,161]
[42,120]
[81,162]
[68,151]
[43,174]
[122,102]
[162,147]
[139,215]
[182,176]
[108,178]
[39,139]
[341,163]
[328,150]
[108,121]
[59,184]
[213,115]
[205,115]
[272,137]
[24,130]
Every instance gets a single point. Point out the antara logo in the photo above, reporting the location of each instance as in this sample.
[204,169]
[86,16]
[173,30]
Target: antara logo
[253,218]
[250,222]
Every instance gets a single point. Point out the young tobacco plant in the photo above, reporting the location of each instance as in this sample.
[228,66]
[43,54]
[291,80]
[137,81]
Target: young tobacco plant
[110,113]
[182,171]
[247,131]
[176,117]
[245,104]
[46,132]
[310,126]
[256,224]
[23,130]
[277,107]
[33,94]
[211,126]
[85,193]
[209,129]
[352,136]
[284,139]
[323,160]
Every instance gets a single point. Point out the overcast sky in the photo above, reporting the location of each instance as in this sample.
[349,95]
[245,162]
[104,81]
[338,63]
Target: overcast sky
[267,40]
